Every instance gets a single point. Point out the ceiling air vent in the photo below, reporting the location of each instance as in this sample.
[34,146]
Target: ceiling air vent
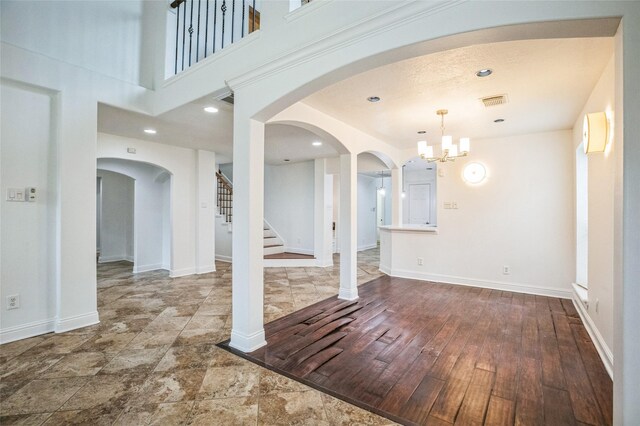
[490,101]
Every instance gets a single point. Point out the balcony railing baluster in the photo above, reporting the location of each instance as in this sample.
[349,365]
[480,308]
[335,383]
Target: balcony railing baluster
[231,19]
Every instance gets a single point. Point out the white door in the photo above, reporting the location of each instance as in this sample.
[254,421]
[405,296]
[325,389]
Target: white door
[420,203]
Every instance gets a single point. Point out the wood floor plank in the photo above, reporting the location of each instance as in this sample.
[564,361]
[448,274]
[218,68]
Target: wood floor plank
[557,407]
[500,412]
[417,408]
[402,390]
[598,376]
[476,399]
[428,353]
[583,399]
[552,373]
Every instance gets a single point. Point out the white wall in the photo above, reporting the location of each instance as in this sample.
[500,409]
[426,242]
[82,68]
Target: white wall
[116,216]
[102,36]
[149,239]
[602,171]
[27,230]
[288,204]
[521,217]
[185,210]
[367,200]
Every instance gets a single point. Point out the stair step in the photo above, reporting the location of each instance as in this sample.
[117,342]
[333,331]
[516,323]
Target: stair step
[274,245]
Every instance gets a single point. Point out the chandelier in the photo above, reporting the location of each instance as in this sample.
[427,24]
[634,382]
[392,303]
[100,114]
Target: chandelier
[449,151]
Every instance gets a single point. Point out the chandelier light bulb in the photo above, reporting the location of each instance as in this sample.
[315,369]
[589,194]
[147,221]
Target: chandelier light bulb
[447,142]
[464,145]
[453,151]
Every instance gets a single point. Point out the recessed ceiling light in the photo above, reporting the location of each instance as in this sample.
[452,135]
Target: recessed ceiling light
[286,159]
[373,99]
[422,132]
[484,73]
[316,143]
[210,109]
[498,120]
[150,131]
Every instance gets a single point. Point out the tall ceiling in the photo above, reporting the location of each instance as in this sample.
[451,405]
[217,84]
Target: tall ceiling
[547,83]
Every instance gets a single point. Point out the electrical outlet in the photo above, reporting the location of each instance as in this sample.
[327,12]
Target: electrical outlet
[506,270]
[13,301]
[420,261]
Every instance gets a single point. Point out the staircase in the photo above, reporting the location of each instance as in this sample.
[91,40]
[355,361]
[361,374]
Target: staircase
[272,242]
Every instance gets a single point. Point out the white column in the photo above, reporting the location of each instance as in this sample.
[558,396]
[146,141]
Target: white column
[247,332]
[396,196]
[348,227]
[75,115]
[323,213]
[205,212]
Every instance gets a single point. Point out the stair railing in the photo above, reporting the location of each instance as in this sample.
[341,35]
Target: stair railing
[225,197]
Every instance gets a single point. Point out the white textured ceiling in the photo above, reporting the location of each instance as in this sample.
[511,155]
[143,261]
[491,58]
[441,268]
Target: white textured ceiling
[547,83]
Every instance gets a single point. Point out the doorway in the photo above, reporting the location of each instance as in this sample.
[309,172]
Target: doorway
[420,203]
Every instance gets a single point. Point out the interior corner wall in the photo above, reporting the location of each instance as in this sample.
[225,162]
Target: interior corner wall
[288,204]
[367,202]
[27,229]
[521,216]
[116,217]
[601,190]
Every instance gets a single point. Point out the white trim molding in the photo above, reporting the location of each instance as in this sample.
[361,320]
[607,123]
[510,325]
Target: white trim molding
[77,321]
[348,294]
[368,247]
[19,332]
[223,258]
[247,343]
[495,285]
[110,259]
[308,252]
[206,269]
[174,273]
[146,268]
[598,341]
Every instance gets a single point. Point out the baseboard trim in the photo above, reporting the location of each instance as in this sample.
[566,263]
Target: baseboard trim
[348,293]
[146,268]
[367,247]
[299,251]
[77,321]
[223,258]
[598,341]
[495,285]
[110,259]
[182,272]
[19,332]
[206,269]
[247,342]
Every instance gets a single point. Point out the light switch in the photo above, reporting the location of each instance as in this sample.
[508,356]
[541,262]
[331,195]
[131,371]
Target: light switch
[447,204]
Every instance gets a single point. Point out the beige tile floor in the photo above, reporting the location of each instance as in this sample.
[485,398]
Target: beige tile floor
[153,360]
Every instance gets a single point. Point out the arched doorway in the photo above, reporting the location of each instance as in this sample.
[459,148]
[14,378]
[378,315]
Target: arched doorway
[134,214]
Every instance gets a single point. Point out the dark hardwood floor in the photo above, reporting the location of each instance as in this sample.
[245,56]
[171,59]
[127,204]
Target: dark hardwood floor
[428,353]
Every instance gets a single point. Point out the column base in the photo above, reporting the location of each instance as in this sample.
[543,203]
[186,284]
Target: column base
[247,342]
[348,293]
